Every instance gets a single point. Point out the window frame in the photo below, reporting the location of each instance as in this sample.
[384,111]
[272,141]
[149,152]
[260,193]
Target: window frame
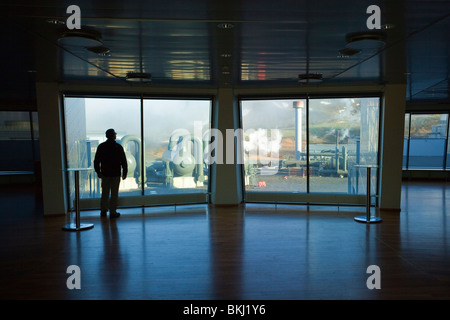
[445,161]
[142,199]
[312,198]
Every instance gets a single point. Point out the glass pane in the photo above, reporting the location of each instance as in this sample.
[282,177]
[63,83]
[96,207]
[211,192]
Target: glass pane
[342,133]
[427,141]
[16,146]
[86,121]
[35,119]
[36,146]
[274,134]
[448,151]
[174,132]
[405,141]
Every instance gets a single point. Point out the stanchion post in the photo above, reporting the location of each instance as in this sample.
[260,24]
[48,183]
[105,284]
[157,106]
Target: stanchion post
[368,218]
[368,198]
[77,199]
[77,226]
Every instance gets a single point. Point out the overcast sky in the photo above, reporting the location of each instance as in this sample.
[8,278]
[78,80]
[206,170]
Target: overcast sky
[161,117]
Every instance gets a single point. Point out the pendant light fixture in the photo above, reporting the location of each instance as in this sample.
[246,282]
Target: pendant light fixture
[84,38]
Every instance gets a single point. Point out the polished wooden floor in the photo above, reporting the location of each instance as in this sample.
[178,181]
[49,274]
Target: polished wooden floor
[254,252]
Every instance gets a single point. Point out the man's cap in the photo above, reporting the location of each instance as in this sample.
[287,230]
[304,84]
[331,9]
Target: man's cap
[110,133]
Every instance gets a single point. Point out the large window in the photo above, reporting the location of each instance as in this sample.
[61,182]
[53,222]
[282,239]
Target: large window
[19,141]
[274,145]
[174,157]
[162,153]
[310,146]
[406,141]
[426,141]
[343,133]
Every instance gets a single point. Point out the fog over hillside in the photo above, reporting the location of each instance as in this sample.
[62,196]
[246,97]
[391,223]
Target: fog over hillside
[278,114]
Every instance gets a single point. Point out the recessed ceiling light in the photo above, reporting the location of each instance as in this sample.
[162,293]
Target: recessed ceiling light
[139,77]
[348,52]
[387,26]
[365,40]
[225,25]
[101,51]
[55,21]
[310,78]
[80,38]
[225,55]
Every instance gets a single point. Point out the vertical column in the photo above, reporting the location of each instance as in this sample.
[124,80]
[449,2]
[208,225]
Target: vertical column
[50,139]
[298,106]
[226,178]
[393,121]
[392,146]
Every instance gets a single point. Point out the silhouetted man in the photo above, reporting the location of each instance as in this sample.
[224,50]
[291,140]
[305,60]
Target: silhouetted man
[109,161]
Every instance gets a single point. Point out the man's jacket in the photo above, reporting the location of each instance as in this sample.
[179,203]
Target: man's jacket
[110,159]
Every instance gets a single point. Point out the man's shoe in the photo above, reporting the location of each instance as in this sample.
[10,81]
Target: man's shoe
[114,215]
[102,213]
